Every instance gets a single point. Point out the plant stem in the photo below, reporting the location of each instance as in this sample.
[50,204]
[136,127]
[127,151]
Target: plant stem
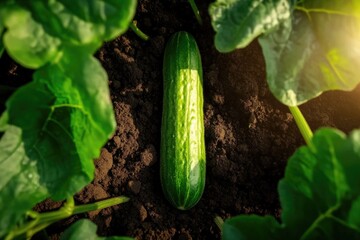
[66,211]
[302,124]
[43,220]
[138,32]
[315,224]
[219,222]
[100,204]
[196,11]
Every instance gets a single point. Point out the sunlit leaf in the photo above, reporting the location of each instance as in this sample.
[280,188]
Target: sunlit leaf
[319,50]
[238,22]
[309,47]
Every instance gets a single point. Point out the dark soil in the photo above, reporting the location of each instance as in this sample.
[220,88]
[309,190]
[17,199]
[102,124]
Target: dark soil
[249,134]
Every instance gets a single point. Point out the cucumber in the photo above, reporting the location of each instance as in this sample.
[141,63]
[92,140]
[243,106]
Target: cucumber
[182,149]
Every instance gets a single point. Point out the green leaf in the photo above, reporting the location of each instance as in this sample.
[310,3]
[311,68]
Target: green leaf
[247,227]
[354,216]
[20,186]
[318,182]
[65,116]
[316,52]
[332,228]
[319,194]
[238,22]
[85,229]
[38,32]
[4,121]
[307,51]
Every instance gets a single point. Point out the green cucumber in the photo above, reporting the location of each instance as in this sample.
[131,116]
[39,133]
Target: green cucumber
[182,153]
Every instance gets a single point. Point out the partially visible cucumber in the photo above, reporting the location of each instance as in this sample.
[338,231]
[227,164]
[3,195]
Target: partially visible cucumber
[183,162]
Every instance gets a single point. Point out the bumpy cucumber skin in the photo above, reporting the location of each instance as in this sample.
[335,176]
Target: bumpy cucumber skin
[182,154]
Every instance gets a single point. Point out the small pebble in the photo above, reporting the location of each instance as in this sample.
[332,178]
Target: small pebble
[134,186]
[148,157]
[142,213]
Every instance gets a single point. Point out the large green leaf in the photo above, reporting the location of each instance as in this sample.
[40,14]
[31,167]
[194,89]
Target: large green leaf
[320,53]
[65,116]
[238,22]
[85,229]
[309,47]
[38,31]
[319,194]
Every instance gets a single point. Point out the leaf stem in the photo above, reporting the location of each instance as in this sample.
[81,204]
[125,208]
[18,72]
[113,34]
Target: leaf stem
[22,229]
[64,212]
[318,220]
[100,204]
[320,10]
[344,223]
[196,11]
[219,222]
[138,32]
[43,220]
[302,124]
